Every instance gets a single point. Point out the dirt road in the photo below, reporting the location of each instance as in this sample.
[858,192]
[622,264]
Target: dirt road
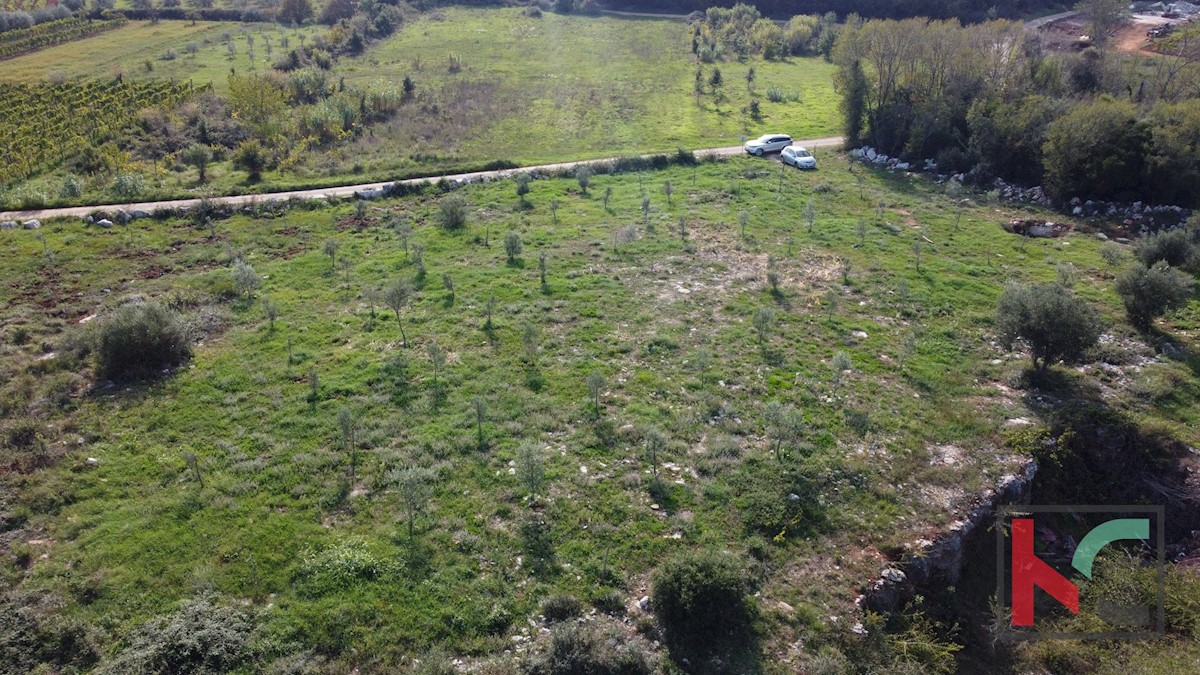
[345,190]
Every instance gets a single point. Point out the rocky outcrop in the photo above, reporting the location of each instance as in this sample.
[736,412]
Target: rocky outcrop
[943,559]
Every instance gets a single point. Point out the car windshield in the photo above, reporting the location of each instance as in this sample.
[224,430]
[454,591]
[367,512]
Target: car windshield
[803,153]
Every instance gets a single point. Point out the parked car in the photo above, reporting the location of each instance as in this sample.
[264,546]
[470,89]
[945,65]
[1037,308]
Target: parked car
[798,157]
[768,143]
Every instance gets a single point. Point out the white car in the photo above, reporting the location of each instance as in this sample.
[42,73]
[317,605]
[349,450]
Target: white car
[768,143]
[798,157]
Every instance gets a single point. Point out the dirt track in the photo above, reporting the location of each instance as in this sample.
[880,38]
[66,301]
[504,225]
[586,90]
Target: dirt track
[346,190]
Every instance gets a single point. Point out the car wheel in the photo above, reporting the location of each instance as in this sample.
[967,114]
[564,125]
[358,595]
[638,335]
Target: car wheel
[758,152]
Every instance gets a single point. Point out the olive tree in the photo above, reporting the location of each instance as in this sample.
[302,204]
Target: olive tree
[1049,320]
[1150,292]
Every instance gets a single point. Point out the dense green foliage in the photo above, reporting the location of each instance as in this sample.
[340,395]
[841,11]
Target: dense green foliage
[987,100]
[702,601]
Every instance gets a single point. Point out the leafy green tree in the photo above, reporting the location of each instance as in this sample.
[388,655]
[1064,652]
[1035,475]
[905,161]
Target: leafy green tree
[1097,150]
[702,600]
[251,157]
[1049,320]
[854,89]
[522,181]
[512,246]
[583,176]
[784,426]
[295,11]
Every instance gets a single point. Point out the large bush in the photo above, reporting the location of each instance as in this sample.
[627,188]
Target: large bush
[200,637]
[1053,323]
[138,340]
[1150,292]
[702,601]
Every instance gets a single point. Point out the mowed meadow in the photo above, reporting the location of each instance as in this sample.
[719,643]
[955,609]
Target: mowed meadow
[490,85]
[675,313]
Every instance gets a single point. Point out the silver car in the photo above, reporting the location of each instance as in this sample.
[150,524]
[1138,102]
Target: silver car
[798,157]
[768,143]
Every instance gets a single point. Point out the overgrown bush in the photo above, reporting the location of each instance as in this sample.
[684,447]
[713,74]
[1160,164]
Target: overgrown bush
[702,601]
[200,637]
[138,340]
[596,648]
[1148,293]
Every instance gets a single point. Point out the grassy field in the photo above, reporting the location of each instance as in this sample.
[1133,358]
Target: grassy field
[666,319]
[529,90]
[539,89]
[128,49]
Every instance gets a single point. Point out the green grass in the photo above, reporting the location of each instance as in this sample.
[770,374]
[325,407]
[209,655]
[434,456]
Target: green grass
[126,50]
[541,89]
[531,91]
[135,534]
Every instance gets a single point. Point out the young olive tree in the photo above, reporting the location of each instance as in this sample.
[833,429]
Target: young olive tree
[531,469]
[396,297]
[415,485]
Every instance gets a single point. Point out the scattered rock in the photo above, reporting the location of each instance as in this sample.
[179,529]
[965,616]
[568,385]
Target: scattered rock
[104,222]
[8,225]
[644,603]
[32,224]
[139,214]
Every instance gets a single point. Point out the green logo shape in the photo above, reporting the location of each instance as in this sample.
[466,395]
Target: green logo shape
[1105,534]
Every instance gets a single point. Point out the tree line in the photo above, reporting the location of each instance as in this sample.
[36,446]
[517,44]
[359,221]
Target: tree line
[967,10]
[991,101]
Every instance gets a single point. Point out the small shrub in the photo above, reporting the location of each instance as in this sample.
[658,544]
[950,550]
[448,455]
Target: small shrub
[512,246]
[558,608]
[453,212]
[245,279]
[128,185]
[137,340]
[1173,247]
[598,648]
[340,566]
